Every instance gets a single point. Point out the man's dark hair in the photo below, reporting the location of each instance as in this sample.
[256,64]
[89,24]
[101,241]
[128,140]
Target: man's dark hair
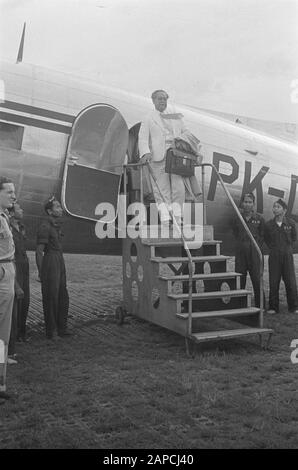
[282,204]
[250,195]
[4,180]
[49,203]
[158,91]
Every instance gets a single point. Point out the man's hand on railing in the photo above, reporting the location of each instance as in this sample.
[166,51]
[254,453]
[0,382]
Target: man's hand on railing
[199,155]
[199,158]
[147,157]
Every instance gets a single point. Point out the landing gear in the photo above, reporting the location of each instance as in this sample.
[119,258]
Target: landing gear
[120,313]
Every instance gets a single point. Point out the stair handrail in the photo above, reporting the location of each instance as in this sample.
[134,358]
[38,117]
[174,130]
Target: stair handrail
[173,218]
[248,232]
[189,256]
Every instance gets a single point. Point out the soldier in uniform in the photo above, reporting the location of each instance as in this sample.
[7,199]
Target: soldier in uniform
[7,277]
[280,234]
[51,268]
[22,269]
[246,256]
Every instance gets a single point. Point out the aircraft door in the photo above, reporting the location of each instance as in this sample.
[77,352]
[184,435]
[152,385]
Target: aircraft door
[95,156]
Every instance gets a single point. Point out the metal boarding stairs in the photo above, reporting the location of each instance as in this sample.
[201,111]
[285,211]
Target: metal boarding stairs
[189,289]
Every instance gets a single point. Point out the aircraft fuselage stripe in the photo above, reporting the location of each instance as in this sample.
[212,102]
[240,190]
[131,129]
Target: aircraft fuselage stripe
[52,126]
[24,108]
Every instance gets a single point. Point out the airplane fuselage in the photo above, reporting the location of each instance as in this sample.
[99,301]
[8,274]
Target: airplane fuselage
[37,113]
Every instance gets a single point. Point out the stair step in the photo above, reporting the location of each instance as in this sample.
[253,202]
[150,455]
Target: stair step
[221,313]
[206,231]
[175,242]
[185,277]
[225,334]
[194,258]
[212,295]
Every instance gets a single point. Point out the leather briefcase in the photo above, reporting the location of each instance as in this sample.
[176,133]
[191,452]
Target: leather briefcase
[180,163]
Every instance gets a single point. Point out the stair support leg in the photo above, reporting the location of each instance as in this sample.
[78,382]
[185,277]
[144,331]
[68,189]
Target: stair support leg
[268,341]
[189,348]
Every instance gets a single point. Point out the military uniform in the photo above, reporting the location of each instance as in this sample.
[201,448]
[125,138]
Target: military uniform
[246,256]
[22,277]
[53,278]
[7,279]
[280,240]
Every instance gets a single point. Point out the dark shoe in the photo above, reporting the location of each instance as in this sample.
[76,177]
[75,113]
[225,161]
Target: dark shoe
[5,395]
[23,339]
[65,333]
[11,359]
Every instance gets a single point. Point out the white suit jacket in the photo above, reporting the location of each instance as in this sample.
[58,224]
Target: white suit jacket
[152,135]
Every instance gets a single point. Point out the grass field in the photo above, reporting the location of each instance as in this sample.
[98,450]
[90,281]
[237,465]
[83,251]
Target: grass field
[133,386]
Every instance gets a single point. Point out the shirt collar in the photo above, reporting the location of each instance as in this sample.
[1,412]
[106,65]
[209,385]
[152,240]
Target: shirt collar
[283,221]
[16,224]
[5,215]
[253,215]
[54,221]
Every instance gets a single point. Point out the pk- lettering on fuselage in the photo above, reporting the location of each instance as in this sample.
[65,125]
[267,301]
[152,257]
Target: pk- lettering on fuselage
[68,136]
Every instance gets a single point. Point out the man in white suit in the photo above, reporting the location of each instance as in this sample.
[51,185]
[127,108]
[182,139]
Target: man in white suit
[156,136]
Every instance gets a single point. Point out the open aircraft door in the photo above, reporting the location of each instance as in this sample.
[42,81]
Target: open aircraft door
[95,156]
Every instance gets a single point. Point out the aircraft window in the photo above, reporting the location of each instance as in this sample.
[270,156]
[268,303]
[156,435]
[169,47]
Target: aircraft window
[100,139]
[11,136]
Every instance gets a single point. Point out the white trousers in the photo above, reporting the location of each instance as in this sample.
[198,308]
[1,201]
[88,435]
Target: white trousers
[7,277]
[172,189]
